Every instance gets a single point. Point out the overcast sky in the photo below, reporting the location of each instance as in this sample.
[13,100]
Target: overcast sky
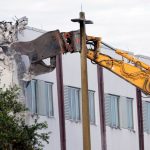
[124,24]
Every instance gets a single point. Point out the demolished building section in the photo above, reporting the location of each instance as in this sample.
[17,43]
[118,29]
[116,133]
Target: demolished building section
[11,64]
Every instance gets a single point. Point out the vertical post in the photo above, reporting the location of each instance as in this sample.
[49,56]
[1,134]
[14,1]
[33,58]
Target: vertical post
[60,90]
[140,119]
[101,107]
[84,87]
[84,82]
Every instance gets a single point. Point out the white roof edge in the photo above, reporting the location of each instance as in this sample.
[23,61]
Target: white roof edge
[35,29]
[129,52]
[143,56]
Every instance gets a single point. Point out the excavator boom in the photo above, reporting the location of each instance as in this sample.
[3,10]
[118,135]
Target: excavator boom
[135,72]
[134,75]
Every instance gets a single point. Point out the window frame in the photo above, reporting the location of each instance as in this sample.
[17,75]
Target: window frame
[68,106]
[117,124]
[52,100]
[147,117]
[34,101]
[76,119]
[124,120]
[132,117]
[108,112]
[94,115]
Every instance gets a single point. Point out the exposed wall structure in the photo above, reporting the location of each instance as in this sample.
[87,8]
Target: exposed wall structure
[9,31]
[8,58]
[6,71]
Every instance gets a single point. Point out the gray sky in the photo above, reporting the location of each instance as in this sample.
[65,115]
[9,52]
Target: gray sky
[124,24]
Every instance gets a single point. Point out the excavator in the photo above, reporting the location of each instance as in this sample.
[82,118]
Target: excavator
[54,43]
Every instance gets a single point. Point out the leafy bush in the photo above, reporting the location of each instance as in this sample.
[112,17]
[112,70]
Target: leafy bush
[15,134]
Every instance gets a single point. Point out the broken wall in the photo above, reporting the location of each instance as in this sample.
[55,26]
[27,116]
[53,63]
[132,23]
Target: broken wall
[12,68]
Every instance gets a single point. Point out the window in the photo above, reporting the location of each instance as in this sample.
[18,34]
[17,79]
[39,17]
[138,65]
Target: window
[31,96]
[146,116]
[72,103]
[40,98]
[119,111]
[112,110]
[91,106]
[49,99]
[126,113]
[130,113]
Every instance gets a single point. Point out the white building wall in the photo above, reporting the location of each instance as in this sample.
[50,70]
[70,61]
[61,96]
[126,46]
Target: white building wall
[117,139]
[72,77]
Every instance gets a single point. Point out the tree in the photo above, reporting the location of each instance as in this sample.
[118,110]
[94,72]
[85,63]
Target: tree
[15,134]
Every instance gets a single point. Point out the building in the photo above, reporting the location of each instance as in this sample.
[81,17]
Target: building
[120,104]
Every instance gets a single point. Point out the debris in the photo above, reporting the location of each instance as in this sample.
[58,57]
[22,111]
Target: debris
[8,30]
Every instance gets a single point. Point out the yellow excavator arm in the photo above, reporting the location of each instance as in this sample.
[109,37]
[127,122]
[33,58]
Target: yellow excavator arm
[135,75]
[53,43]
[135,71]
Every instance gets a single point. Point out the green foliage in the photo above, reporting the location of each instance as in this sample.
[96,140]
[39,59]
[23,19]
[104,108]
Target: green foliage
[15,134]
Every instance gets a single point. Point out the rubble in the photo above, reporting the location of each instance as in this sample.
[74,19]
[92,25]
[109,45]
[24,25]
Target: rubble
[8,30]
[9,66]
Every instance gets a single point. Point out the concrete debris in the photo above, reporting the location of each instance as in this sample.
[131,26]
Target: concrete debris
[10,69]
[8,30]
